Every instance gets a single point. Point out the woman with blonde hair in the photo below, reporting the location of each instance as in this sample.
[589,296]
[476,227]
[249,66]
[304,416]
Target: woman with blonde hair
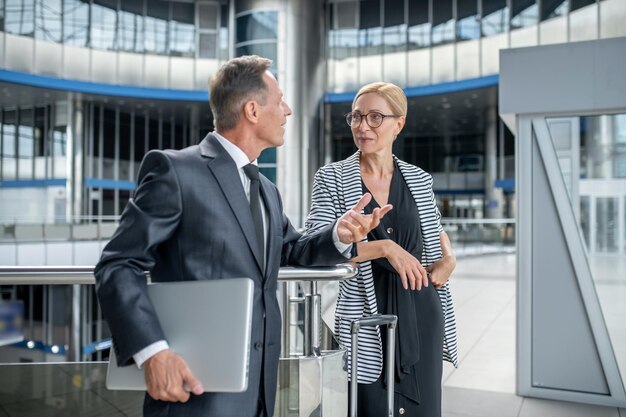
[404,264]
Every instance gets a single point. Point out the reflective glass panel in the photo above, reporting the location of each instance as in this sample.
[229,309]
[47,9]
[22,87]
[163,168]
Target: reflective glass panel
[419,24]
[257,26]
[553,8]
[19,17]
[104,24]
[395,29]
[75,22]
[468,20]
[524,13]
[577,4]
[26,144]
[370,28]
[130,24]
[183,30]
[495,17]
[223,33]
[598,195]
[8,145]
[207,45]
[443,23]
[48,20]
[157,15]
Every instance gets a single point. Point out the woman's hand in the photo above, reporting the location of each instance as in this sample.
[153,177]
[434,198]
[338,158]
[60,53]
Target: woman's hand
[411,271]
[441,270]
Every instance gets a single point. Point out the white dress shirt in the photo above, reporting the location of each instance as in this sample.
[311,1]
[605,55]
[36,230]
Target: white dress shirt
[241,160]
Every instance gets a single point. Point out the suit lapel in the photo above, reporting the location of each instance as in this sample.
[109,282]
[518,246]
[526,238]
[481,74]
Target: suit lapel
[225,171]
[274,214]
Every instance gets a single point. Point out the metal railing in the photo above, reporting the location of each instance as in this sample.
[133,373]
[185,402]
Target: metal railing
[480,236]
[80,321]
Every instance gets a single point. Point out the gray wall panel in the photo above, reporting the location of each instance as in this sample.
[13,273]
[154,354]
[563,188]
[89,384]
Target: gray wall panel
[18,53]
[103,67]
[156,71]
[577,76]
[181,73]
[563,349]
[48,58]
[130,69]
[76,63]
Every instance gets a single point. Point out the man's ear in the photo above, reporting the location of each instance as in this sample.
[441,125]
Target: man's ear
[251,111]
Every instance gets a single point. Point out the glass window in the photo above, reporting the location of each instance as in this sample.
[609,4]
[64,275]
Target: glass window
[578,4]
[264,49]
[182,30]
[223,34]
[157,15]
[443,22]
[553,8]
[26,143]
[419,24]
[75,22]
[370,29]
[48,20]
[1,15]
[208,16]
[267,164]
[395,28]
[495,17]
[20,17]
[8,145]
[257,26]
[523,13]
[104,24]
[131,26]
[468,20]
[207,45]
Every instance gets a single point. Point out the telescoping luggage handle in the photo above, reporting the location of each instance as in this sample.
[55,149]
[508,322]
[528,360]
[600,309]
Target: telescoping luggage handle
[377,320]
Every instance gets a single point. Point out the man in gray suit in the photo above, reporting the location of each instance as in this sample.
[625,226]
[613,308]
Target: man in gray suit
[204,212]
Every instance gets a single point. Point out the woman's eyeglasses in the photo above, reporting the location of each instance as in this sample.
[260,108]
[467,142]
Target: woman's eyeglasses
[373,118]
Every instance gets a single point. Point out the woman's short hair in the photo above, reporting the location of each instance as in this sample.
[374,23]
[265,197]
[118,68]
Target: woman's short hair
[237,81]
[393,95]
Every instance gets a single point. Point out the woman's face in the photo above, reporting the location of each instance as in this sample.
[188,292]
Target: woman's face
[375,139]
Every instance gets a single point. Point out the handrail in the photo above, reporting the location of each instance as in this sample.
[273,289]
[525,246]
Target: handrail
[71,275]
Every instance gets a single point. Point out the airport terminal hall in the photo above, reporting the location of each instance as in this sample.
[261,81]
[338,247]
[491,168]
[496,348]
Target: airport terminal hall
[124,124]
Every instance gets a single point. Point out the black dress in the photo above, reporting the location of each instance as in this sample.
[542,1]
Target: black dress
[419,334]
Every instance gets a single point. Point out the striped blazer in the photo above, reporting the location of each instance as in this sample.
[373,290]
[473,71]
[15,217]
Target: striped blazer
[336,189]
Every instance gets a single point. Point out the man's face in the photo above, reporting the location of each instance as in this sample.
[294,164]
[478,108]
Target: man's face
[273,117]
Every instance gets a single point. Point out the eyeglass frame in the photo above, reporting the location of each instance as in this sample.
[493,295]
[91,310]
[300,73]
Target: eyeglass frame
[364,117]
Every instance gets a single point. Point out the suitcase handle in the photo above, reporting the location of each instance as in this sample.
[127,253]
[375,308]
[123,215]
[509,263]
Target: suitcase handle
[377,320]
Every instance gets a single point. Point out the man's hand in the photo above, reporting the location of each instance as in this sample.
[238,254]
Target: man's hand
[168,378]
[354,226]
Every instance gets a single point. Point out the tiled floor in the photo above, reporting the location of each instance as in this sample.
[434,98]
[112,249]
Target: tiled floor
[483,385]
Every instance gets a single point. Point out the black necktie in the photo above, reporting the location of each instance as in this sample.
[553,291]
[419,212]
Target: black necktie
[252,171]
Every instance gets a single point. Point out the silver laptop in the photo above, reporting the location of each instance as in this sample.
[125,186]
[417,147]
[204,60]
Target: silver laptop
[208,324]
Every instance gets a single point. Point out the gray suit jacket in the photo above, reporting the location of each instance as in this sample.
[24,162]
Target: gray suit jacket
[190,220]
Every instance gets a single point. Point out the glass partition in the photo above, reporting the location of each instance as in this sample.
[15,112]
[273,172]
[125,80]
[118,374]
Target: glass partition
[597,191]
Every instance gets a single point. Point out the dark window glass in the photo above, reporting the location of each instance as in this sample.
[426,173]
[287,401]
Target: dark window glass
[8,138]
[153,137]
[157,15]
[577,4]
[208,16]
[523,13]
[109,138]
[40,132]
[207,45]
[267,164]
[96,134]
[495,17]
[140,134]
[266,50]
[131,26]
[182,30]
[75,22]
[443,22]
[1,15]
[257,26]
[345,14]
[394,12]
[20,17]
[104,24]
[419,24]
[26,143]
[468,20]
[369,14]
[59,141]
[553,8]
[48,20]
[223,33]
[124,140]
